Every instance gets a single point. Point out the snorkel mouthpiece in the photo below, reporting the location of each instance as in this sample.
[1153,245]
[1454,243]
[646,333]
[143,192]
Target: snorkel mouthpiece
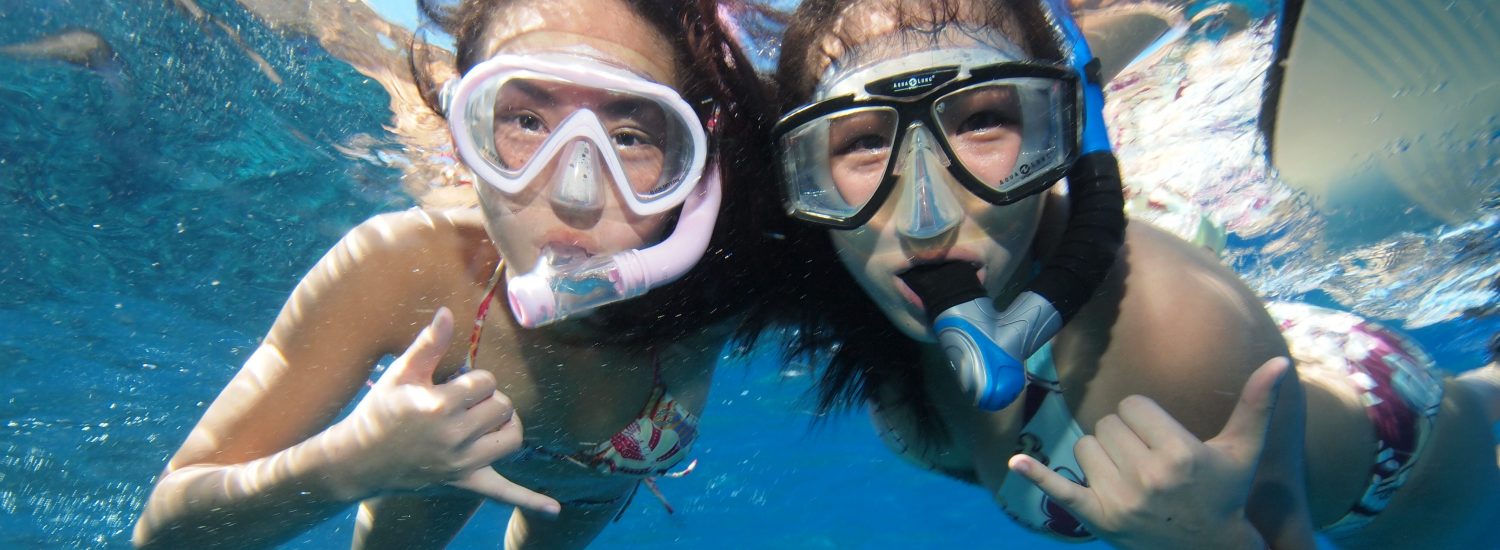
[566,282]
[988,348]
[985,347]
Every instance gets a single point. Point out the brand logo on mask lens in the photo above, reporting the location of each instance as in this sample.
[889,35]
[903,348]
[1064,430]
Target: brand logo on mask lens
[1026,170]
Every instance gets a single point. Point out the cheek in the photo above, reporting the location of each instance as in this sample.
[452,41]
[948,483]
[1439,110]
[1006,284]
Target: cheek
[1013,225]
[646,230]
[993,162]
[857,250]
[618,230]
[520,220]
[855,247]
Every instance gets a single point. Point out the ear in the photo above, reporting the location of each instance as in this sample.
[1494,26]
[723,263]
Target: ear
[1120,36]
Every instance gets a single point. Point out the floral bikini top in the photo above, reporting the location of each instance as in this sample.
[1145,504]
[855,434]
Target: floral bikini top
[649,446]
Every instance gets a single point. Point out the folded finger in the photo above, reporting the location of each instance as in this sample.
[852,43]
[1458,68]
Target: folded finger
[1124,448]
[1152,424]
[1098,468]
[499,443]
[485,417]
[470,387]
[491,448]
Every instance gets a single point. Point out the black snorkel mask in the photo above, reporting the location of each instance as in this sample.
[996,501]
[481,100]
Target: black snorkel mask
[1059,110]
[987,347]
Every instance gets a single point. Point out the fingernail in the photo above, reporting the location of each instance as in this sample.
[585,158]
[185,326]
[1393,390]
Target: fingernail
[1020,466]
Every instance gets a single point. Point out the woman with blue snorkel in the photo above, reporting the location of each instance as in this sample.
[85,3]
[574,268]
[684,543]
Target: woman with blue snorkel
[1099,380]
[616,238]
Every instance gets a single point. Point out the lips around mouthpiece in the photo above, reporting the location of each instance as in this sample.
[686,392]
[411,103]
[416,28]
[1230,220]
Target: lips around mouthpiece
[942,286]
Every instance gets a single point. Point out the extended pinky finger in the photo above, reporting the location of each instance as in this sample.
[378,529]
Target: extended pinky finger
[1079,500]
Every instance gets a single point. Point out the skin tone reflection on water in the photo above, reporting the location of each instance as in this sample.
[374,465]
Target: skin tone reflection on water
[80,47]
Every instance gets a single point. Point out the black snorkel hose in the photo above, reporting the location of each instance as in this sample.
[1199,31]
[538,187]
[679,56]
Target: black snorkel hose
[988,348]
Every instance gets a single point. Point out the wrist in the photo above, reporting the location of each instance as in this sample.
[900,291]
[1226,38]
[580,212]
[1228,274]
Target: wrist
[332,468]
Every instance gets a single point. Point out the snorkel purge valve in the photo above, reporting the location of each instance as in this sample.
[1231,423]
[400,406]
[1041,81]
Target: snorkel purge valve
[564,284]
[986,347]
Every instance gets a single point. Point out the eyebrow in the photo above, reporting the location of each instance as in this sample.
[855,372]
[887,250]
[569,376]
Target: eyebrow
[534,92]
[626,107]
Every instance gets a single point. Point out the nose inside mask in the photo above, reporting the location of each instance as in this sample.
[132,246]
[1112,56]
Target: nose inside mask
[927,207]
[575,184]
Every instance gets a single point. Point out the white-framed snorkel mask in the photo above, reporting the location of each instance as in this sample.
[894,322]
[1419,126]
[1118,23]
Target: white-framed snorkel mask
[582,128]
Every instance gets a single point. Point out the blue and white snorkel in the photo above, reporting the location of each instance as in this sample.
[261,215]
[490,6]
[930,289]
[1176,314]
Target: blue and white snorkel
[987,347]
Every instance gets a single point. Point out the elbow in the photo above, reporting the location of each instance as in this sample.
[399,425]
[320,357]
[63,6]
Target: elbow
[150,529]
[145,534]
[141,537]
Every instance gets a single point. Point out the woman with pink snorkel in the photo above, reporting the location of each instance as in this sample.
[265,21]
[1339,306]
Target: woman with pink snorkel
[588,296]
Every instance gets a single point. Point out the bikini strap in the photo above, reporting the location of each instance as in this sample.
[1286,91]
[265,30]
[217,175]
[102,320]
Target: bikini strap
[483,313]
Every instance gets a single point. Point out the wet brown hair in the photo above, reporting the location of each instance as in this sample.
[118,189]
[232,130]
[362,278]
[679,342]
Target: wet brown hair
[817,21]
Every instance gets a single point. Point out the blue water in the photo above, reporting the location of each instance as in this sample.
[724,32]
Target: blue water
[157,214]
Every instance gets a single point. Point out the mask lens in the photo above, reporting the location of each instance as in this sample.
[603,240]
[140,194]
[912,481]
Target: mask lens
[834,164]
[521,124]
[649,141]
[1007,134]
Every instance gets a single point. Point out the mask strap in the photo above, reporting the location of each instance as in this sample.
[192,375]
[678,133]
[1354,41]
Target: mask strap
[445,95]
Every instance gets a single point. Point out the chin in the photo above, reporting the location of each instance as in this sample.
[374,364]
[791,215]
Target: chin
[914,327]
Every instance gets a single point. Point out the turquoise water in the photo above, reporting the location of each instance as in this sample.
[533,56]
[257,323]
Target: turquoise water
[157,214]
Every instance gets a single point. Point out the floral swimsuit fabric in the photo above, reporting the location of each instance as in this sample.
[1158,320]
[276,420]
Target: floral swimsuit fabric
[648,447]
[1394,378]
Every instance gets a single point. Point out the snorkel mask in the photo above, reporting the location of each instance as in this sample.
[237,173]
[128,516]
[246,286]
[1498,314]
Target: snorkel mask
[925,121]
[583,128]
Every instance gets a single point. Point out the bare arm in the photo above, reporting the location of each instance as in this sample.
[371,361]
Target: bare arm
[264,464]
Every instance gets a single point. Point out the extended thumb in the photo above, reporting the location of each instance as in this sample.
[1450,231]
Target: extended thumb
[1251,419]
[417,364]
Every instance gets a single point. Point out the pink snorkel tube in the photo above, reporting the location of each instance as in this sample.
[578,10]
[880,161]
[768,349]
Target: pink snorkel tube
[552,292]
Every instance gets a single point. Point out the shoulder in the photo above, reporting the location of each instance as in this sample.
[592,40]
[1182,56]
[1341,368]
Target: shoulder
[416,229]
[415,245]
[1172,323]
[390,273]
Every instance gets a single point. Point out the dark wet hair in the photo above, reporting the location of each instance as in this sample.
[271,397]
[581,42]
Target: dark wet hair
[868,357]
[802,47]
[724,90]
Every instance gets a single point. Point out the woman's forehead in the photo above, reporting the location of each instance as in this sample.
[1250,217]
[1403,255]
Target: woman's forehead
[868,31]
[575,26]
